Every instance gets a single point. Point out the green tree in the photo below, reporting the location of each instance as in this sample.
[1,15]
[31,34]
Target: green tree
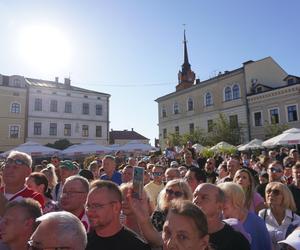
[60,144]
[225,130]
[272,130]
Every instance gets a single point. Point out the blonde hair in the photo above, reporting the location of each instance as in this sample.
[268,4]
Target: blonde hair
[163,204]
[249,191]
[234,192]
[288,201]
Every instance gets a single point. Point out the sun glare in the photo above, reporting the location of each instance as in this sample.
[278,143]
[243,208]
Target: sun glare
[45,48]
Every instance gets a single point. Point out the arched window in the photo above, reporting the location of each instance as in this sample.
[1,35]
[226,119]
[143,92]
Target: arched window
[208,99]
[163,112]
[176,108]
[228,94]
[235,91]
[190,104]
[15,107]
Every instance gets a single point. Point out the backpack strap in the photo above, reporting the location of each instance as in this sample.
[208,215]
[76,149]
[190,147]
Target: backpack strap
[56,190]
[265,214]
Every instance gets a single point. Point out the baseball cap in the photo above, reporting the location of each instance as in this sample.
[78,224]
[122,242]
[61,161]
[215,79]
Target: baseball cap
[174,164]
[68,164]
[293,239]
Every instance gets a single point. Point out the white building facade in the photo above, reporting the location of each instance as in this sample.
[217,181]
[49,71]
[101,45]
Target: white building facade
[61,111]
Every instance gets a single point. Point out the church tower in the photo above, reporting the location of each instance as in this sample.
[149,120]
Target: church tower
[186,76]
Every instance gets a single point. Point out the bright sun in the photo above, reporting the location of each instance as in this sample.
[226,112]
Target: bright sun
[45,48]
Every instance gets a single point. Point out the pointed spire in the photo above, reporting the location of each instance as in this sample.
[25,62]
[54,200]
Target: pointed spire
[186,65]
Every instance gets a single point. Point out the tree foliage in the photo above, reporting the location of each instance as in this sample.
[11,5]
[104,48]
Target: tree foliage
[60,144]
[272,130]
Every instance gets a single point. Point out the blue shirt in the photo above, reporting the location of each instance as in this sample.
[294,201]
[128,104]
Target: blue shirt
[256,227]
[116,177]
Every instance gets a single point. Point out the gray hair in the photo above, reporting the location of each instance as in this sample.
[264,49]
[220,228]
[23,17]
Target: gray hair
[67,227]
[25,157]
[84,182]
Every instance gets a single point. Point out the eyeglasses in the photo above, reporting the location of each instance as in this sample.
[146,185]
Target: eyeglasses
[17,162]
[96,206]
[275,170]
[157,173]
[276,192]
[35,246]
[175,193]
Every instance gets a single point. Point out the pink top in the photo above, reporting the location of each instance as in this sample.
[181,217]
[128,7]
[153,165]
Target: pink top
[256,200]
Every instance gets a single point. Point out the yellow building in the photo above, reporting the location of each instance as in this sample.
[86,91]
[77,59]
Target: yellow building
[258,86]
[13,96]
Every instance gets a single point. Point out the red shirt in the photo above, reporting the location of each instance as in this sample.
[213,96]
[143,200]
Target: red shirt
[25,193]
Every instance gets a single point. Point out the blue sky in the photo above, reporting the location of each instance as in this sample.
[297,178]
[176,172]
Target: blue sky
[132,49]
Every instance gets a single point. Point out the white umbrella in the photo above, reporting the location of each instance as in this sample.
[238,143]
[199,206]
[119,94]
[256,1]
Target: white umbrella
[88,147]
[134,146]
[198,147]
[288,137]
[222,145]
[254,144]
[34,149]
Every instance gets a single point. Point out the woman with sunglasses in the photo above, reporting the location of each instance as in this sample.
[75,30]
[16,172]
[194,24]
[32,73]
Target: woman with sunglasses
[177,189]
[280,212]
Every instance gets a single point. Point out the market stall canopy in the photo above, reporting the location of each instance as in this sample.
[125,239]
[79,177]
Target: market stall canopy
[198,147]
[288,137]
[222,145]
[134,146]
[254,144]
[85,148]
[34,149]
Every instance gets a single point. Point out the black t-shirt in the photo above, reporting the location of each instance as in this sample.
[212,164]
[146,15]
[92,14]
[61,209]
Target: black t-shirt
[296,193]
[228,239]
[125,239]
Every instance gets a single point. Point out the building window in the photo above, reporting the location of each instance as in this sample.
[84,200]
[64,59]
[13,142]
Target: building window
[85,130]
[165,133]
[98,109]
[233,121]
[38,104]
[68,107]
[235,92]
[164,112]
[208,99]
[257,119]
[274,116]
[67,130]
[37,128]
[14,131]
[228,94]
[192,128]
[292,113]
[15,108]
[16,83]
[85,108]
[53,129]
[290,81]
[176,108]
[53,106]
[98,131]
[210,125]
[190,104]
[177,130]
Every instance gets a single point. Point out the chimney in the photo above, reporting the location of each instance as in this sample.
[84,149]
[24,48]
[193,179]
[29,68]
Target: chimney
[67,82]
[56,79]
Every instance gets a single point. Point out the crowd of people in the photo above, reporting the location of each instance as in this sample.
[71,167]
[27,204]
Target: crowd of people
[238,201]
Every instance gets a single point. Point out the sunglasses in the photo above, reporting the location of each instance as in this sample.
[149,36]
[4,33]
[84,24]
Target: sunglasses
[276,192]
[17,162]
[175,193]
[157,173]
[276,170]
